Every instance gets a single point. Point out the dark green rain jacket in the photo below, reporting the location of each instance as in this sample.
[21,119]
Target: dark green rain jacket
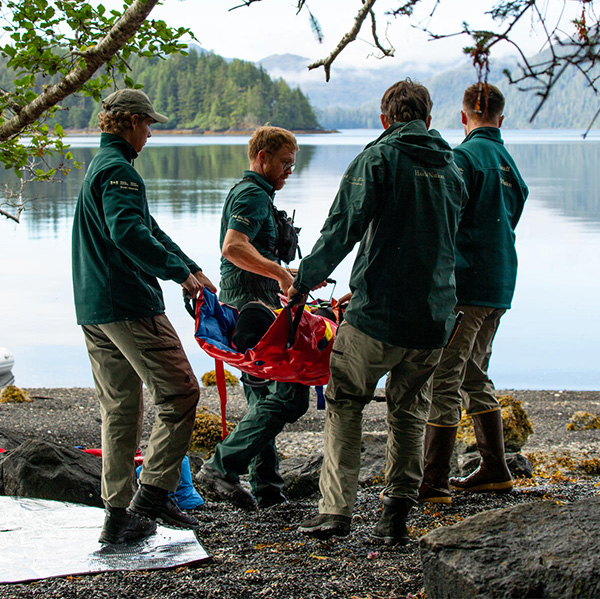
[401,198]
[486,258]
[118,250]
[248,209]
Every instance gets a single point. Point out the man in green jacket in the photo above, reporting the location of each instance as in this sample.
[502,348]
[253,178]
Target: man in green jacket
[118,252]
[251,271]
[400,198]
[486,272]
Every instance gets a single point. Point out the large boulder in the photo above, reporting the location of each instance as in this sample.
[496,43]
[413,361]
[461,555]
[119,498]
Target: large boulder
[532,550]
[301,475]
[9,439]
[50,471]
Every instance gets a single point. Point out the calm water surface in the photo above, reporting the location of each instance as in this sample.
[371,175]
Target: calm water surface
[549,340]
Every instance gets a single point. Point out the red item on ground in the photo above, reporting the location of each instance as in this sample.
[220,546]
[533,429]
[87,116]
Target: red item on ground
[138,459]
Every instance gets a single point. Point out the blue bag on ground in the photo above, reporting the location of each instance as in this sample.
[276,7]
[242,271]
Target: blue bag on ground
[185,496]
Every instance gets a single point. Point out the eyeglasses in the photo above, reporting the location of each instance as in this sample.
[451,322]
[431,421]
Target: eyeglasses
[286,165]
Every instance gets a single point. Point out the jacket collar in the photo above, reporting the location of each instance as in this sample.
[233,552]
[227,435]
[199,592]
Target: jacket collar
[492,133]
[109,140]
[260,181]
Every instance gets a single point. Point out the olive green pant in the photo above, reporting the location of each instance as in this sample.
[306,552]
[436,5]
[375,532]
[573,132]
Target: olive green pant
[461,378]
[357,363]
[124,356]
[250,447]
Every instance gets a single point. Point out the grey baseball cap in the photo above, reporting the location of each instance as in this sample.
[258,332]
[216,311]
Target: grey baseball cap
[134,101]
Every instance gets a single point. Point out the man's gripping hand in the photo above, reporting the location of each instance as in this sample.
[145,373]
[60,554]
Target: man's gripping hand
[204,281]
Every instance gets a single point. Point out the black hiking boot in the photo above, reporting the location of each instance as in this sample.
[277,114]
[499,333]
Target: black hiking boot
[325,526]
[391,528]
[154,503]
[225,487]
[120,526]
[270,499]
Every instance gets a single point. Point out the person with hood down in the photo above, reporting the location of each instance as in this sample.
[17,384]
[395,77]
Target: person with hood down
[486,275]
[400,198]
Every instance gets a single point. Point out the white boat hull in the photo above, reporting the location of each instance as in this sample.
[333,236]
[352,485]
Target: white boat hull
[7,361]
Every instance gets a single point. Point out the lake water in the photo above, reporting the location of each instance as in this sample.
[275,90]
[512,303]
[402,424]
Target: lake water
[549,340]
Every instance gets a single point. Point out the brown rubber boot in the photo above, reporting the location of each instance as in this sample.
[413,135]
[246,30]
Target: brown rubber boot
[438,447]
[493,473]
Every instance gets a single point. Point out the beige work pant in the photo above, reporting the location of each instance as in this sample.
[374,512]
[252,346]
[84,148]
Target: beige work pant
[461,378]
[357,364]
[124,355]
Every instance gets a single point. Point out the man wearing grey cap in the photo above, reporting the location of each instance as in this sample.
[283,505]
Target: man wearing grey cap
[118,253]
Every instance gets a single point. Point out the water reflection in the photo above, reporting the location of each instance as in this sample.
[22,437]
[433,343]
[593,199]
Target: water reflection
[179,179]
[187,184]
[566,176]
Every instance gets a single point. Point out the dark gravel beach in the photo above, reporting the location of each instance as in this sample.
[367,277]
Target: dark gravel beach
[261,554]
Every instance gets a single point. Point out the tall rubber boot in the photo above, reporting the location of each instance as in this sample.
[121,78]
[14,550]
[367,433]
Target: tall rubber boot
[493,473]
[438,447]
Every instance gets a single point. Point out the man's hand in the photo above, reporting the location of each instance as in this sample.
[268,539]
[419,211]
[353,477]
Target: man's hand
[285,280]
[292,292]
[192,286]
[204,281]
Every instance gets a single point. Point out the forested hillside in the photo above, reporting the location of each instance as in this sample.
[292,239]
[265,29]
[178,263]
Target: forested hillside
[202,91]
[572,104]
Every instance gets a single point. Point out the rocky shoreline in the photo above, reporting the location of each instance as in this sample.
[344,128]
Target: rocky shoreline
[261,554]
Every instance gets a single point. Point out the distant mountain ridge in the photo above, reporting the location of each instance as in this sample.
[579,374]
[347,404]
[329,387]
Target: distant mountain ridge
[351,98]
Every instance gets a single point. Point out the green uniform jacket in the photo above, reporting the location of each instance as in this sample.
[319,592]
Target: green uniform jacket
[486,258]
[118,250]
[248,209]
[401,198]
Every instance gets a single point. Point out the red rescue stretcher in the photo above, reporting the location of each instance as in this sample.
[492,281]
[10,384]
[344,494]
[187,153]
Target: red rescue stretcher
[296,348]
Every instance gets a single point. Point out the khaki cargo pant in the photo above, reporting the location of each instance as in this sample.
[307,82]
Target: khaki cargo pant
[357,364]
[124,355]
[461,378]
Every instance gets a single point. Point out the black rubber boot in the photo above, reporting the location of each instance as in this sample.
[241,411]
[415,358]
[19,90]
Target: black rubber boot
[438,447]
[154,503]
[120,526]
[493,473]
[391,528]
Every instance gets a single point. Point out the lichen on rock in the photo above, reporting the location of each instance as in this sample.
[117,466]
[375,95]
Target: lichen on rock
[207,432]
[209,379]
[12,394]
[581,421]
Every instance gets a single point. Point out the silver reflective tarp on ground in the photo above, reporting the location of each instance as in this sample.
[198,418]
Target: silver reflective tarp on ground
[42,539]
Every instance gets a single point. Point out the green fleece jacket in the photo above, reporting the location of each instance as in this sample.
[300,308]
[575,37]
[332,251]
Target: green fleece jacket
[400,198]
[486,258]
[248,209]
[118,250]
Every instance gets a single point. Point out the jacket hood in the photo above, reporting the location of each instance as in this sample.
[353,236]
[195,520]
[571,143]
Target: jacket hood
[413,138]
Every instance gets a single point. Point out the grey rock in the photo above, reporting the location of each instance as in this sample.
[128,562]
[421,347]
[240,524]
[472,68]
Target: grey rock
[301,475]
[49,471]
[517,463]
[372,459]
[9,439]
[532,550]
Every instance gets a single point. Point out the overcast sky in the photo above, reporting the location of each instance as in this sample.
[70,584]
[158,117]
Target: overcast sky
[272,27]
